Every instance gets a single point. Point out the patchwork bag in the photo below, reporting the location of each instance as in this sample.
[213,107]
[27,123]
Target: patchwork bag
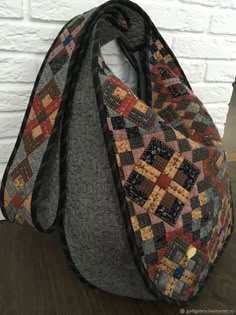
[134,180]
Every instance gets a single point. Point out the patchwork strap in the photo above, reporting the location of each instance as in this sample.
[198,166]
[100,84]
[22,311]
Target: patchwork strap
[36,134]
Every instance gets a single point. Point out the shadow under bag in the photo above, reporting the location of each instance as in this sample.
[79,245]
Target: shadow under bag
[135,181]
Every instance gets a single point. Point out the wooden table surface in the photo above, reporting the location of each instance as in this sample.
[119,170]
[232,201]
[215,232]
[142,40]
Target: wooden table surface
[35,279]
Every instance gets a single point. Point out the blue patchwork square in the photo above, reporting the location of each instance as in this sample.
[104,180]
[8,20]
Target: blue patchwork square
[178,272]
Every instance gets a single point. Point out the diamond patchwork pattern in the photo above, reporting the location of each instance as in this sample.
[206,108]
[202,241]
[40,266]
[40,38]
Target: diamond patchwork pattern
[41,119]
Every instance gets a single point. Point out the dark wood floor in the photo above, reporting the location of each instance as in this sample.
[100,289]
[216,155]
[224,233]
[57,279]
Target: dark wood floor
[35,279]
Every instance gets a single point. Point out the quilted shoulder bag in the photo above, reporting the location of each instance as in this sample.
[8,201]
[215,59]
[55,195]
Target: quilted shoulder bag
[134,179]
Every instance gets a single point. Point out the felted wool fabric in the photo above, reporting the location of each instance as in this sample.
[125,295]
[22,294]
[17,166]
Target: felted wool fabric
[136,183]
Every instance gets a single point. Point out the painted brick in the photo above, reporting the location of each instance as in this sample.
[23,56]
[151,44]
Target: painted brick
[26,38]
[60,10]
[7,146]
[15,98]
[205,47]
[224,22]
[186,20]
[166,17]
[19,69]
[213,92]
[194,70]
[218,111]
[203,2]
[224,71]
[11,9]
[228,4]
[10,124]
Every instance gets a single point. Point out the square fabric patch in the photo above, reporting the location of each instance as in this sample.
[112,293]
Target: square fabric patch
[21,174]
[179,268]
[118,97]
[149,237]
[174,84]
[161,181]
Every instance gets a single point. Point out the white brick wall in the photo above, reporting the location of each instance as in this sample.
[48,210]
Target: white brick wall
[202,34]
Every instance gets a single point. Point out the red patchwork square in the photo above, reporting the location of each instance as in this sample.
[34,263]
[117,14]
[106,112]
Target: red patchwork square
[163,181]
[16,200]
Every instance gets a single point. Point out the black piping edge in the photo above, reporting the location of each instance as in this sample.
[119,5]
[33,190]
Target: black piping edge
[123,203]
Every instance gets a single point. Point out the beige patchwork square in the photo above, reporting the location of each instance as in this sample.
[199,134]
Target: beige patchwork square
[167,58]
[32,114]
[157,56]
[146,233]
[19,182]
[158,44]
[118,92]
[134,222]
[194,145]
[203,198]
[187,277]
[46,100]
[142,107]
[180,135]
[196,214]
[123,146]
[37,131]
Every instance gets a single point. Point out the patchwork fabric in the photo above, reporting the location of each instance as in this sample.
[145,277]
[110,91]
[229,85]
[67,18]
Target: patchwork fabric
[173,179]
[176,104]
[161,181]
[179,269]
[165,152]
[122,100]
[41,117]
[39,124]
[21,174]
[159,53]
